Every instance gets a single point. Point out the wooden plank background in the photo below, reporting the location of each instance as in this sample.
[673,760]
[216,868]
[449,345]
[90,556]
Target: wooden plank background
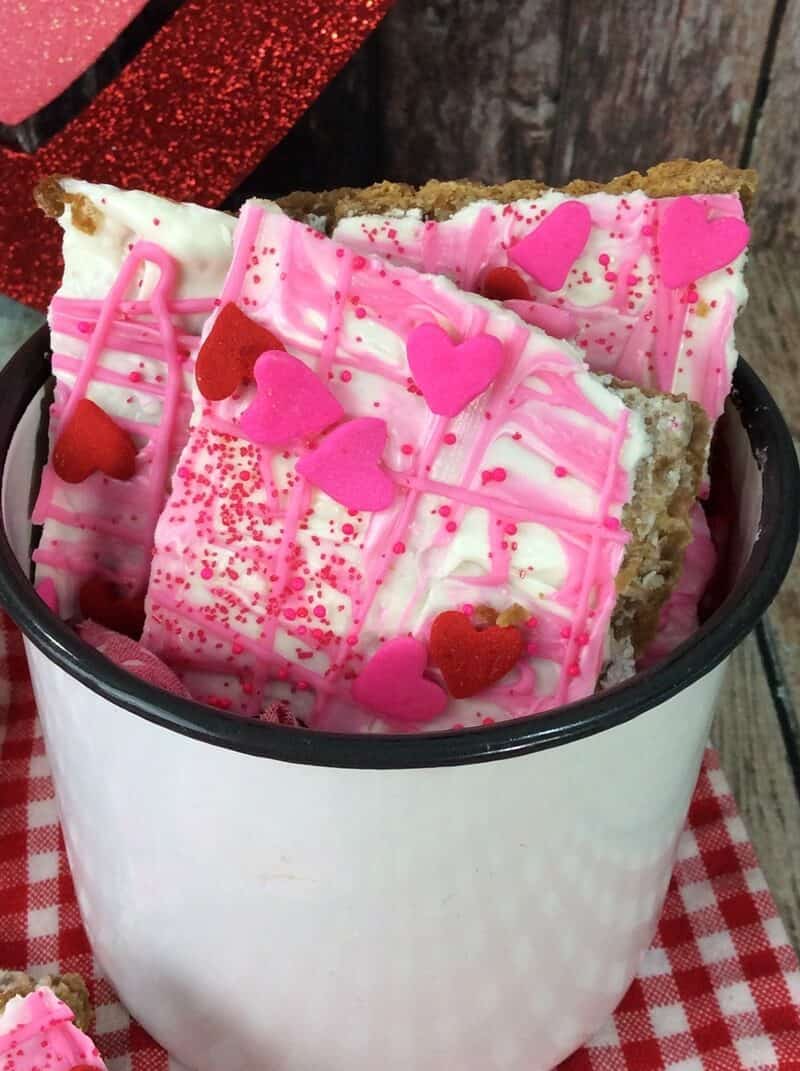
[559,89]
[556,89]
[496,89]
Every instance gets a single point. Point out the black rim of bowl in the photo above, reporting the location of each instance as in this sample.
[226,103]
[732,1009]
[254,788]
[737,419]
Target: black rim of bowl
[762,576]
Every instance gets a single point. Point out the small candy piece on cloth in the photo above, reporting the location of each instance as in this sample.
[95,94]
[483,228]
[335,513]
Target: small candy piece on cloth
[92,441]
[136,659]
[101,601]
[392,684]
[548,252]
[692,245]
[471,659]
[230,351]
[449,374]
[291,402]
[38,1024]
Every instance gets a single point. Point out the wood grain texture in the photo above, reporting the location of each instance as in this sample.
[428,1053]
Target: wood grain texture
[753,756]
[768,330]
[776,150]
[648,82]
[468,88]
[783,620]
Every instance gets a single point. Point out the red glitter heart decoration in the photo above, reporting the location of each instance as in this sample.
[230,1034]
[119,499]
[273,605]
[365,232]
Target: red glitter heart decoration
[188,118]
[226,358]
[93,442]
[101,601]
[471,659]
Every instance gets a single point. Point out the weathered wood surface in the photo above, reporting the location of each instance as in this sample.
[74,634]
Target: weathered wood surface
[768,331]
[555,89]
[754,759]
[646,82]
[469,88]
[776,151]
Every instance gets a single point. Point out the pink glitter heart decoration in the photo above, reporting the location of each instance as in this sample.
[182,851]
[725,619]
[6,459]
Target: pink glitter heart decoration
[346,465]
[47,44]
[392,685]
[449,374]
[549,252]
[692,245]
[291,402]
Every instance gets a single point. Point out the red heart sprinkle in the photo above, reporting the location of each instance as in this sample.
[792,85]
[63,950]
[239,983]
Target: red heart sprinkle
[226,358]
[472,659]
[101,601]
[505,284]
[93,441]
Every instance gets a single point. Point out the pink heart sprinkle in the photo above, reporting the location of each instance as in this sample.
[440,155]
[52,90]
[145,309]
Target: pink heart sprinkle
[291,402]
[557,323]
[692,245]
[449,374]
[346,465]
[392,685]
[549,252]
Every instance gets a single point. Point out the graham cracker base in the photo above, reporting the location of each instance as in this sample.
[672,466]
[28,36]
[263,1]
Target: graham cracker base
[440,200]
[70,988]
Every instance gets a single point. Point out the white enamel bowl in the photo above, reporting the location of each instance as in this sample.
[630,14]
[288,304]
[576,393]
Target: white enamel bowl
[271,898]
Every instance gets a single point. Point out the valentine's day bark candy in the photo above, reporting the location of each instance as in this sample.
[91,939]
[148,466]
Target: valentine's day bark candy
[37,1031]
[644,275]
[140,277]
[412,510]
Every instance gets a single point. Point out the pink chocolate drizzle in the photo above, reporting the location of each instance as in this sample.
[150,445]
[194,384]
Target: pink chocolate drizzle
[255,597]
[114,522]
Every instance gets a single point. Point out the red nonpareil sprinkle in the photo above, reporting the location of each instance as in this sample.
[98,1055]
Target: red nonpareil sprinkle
[560,471]
[449,438]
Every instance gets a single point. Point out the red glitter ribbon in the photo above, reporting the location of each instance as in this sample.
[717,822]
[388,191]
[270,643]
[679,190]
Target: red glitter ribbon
[188,118]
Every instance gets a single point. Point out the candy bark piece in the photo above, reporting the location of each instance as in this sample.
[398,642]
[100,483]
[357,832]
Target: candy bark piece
[264,588]
[140,277]
[41,1023]
[641,312]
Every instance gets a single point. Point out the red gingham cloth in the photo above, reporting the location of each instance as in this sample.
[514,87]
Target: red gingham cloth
[719,990]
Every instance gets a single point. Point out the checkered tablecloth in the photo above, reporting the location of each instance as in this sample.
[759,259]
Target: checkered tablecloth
[719,990]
